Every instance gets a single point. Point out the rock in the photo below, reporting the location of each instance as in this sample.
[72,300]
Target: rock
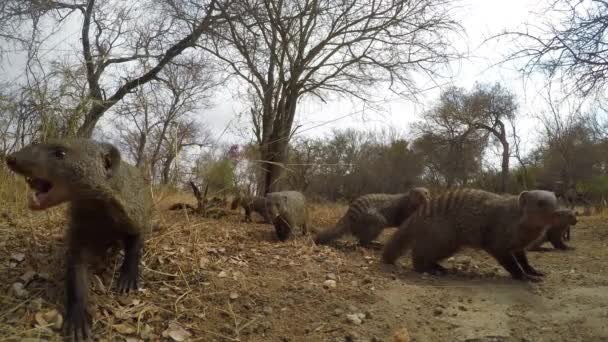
[330,276]
[338,312]
[356,318]
[18,257]
[234,295]
[223,274]
[437,311]
[19,291]
[401,335]
[329,284]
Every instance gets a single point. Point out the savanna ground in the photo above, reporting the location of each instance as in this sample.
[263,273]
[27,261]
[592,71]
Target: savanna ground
[226,280]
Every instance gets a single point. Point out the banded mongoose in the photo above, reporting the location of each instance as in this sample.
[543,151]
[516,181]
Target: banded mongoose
[109,202]
[251,204]
[503,226]
[287,212]
[560,228]
[368,215]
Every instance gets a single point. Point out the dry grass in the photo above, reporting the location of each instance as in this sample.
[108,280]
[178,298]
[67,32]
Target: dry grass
[225,280]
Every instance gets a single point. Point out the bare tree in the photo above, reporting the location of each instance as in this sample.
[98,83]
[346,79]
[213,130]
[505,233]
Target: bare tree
[570,45]
[147,117]
[113,36]
[451,146]
[288,49]
[488,108]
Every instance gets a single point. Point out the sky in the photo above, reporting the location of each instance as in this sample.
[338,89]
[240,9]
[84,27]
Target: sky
[480,19]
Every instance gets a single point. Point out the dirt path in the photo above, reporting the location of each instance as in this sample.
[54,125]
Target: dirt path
[232,281]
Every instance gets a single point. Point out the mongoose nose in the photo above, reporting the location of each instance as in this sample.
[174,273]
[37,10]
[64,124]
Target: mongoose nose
[11,160]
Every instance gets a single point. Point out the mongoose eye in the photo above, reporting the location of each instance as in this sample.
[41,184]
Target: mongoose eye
[59,154]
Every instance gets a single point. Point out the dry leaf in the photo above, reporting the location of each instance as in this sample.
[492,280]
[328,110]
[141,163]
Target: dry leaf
[176,333]
[124,329]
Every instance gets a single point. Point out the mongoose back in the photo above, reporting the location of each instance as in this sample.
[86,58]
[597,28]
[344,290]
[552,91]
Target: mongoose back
[251,204]
[556,234]
[503,226]
[287,212]
[369,214]
[109,202]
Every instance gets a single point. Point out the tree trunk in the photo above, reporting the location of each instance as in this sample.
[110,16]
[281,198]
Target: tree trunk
[505,164]
[90,121]
[166,172]
[274,156]
[141,145]
[274,145]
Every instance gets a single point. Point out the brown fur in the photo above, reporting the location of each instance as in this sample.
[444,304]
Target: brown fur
[109,201]
[503,226]
[368,215]
[559,230]
[251,204]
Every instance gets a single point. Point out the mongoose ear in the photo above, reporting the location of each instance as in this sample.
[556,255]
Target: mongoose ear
[523,198]
[111,159]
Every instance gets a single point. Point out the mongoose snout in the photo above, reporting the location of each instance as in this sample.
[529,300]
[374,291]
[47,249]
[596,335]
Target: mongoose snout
[46,193]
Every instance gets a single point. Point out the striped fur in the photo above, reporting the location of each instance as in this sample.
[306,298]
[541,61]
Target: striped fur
[502,225]
[368,215]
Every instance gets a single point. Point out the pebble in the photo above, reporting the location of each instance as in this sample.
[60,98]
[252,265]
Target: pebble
[18,257]
[330,276]
[437,311]
[329,283]
[234,295]
[338,312]
[356,318]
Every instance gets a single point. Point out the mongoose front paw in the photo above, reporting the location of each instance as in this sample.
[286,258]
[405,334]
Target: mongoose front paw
[128,281]
[77,324]
[530,278]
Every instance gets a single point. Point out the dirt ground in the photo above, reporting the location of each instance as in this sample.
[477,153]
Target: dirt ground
[226,280]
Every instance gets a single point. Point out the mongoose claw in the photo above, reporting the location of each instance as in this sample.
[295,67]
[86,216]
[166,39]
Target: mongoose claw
[127,282]
[532,278]
[77,324]
[536,273]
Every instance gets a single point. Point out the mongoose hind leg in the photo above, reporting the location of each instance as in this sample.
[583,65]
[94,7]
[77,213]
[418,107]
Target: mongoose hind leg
[77,320]
[367,228]
[426,255]
[508,262]
[129,271]
[522,259]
